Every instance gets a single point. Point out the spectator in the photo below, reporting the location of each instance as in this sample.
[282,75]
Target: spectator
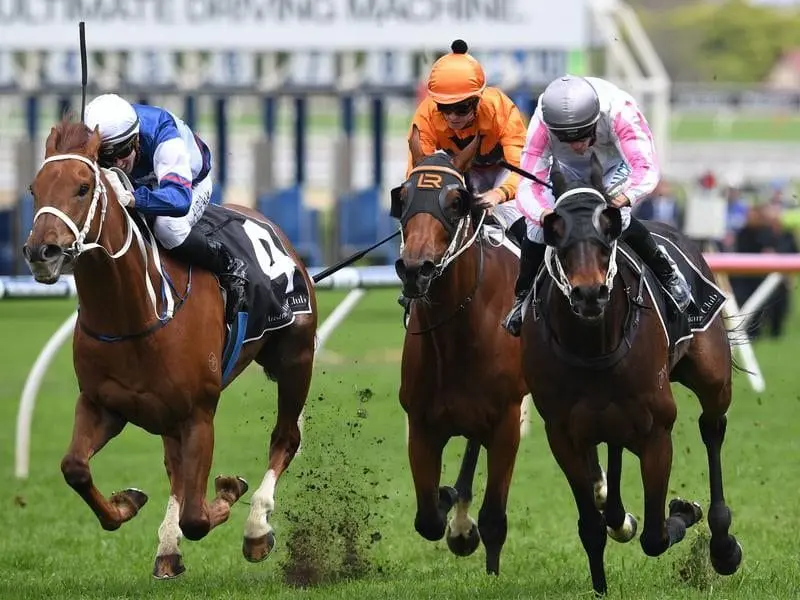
[661,206]
[776,309]
[737,210]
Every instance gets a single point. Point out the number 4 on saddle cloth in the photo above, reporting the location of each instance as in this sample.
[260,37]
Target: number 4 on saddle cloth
[276,288]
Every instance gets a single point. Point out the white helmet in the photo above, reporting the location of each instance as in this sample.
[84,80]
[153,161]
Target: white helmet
[114,116]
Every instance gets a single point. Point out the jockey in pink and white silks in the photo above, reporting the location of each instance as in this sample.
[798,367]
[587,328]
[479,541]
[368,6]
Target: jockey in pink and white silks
[170,169]
[575,117]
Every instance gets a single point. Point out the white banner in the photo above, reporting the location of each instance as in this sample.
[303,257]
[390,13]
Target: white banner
[293,24]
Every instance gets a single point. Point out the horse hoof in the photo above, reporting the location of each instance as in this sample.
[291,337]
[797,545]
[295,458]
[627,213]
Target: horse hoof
[230,488]
[462,544]
[134,499]
[729,564]
[690,512]
[627,530]
[258,549]
[169,566]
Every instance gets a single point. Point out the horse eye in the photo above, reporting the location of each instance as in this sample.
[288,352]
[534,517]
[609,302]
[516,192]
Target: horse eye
[83,190]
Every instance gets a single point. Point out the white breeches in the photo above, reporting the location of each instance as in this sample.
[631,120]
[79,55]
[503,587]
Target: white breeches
[172,231]
[612,177]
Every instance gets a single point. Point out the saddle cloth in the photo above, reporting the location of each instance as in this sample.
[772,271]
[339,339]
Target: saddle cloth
[276,289]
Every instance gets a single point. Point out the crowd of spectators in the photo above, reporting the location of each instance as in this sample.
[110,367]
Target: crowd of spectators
[731,216]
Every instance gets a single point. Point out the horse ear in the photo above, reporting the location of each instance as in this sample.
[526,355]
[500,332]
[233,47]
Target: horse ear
[596,173]
[52,142]
[93,145]
[553,229]
[557,179]
[415,145]
[463,160]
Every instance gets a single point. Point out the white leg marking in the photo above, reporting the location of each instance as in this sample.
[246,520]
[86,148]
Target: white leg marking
[525,415]
[601,491]
[461,523]
[169,532]
[262,504]
[626,532]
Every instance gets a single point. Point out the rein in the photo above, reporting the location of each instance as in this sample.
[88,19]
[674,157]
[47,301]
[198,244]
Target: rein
[602,361]
[79,246]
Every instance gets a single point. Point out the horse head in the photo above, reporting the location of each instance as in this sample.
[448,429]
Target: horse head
[434,208]
[582,232]
[66,193]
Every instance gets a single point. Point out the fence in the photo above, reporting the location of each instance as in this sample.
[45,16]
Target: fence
[312,139]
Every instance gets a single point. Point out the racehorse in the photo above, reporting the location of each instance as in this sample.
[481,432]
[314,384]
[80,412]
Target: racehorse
[145,358]
[461,373]
[599,360]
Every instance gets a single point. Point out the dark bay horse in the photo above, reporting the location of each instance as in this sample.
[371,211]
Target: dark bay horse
[599,368]
[161,374]
[461,373]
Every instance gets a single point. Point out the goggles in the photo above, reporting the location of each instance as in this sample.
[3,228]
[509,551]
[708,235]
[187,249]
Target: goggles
[460,109]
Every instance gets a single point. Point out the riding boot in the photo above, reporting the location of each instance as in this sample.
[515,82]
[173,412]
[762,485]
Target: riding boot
[531,258]
[208,253]
[638,237]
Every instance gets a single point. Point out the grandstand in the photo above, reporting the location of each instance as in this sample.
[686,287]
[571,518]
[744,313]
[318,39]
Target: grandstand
[301,124]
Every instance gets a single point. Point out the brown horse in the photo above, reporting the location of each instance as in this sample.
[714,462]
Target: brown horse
[599,369]
[161,373]
[461,373]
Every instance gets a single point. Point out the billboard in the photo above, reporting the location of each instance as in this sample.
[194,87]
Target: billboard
[267,25]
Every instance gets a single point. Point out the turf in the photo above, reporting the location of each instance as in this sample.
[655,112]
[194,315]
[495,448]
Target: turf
[350,488]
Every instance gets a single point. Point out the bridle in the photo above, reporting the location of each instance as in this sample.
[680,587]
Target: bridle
[79,246]
[461,241]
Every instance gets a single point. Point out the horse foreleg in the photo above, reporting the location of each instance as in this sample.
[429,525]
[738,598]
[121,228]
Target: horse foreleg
[600,481]
[93,428]
[726,553]
[169,562]
[621,525]
[492,519]
[197,448]
[591,525]
[656,462]
[294,380]
[425,458]
[462,530]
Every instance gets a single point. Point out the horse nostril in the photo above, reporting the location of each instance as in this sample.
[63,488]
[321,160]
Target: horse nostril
[576,295]
[603,294]
[426,270]
[42,252]
[400,269]
[50,252]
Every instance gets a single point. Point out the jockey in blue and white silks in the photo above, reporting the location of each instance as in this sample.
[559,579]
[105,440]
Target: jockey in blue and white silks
[170,169]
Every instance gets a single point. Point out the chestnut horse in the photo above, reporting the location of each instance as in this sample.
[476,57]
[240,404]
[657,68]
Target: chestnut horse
[461,372]
[161,373]
[599,369]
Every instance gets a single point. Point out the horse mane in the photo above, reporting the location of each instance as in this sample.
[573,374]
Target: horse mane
[71,135]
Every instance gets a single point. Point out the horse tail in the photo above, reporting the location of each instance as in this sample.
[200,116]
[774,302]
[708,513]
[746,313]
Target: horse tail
[737,336]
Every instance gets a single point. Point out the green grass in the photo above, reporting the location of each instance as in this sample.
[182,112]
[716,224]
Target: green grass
[53,547]
[704,128]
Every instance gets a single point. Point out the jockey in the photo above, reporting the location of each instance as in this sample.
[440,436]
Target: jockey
[460,106]
[170,170]
[573,115]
